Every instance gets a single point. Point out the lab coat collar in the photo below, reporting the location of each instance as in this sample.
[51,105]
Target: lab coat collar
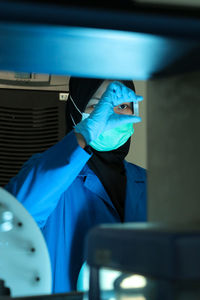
[135,191]
[134,187]
[92,182]
[134,174]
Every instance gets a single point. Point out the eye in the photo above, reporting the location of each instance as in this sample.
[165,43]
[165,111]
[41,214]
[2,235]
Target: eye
[92,106]
[122,106]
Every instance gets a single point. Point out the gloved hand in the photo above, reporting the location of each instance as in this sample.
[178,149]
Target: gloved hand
[103,116]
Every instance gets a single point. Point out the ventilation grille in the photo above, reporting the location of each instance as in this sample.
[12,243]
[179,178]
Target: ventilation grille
[23,132]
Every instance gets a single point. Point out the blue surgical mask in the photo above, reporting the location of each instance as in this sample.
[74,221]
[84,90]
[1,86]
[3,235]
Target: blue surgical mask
[113,138]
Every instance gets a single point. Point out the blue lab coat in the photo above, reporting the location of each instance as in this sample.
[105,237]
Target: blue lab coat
[66,199]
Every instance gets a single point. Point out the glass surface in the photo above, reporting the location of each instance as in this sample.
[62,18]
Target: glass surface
[116,285]
[121,285]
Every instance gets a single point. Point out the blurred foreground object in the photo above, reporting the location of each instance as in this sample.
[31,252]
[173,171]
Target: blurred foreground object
[25,265]
[145,261]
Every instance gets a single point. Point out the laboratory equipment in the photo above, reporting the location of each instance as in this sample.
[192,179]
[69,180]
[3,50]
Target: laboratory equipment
[136,109]
[144,262]
[25,265]
[6,218]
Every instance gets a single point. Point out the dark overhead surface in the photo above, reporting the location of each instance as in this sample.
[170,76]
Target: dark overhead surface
[120,15]
[129,41]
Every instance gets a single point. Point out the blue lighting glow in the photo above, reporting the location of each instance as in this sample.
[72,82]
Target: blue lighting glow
[86,51]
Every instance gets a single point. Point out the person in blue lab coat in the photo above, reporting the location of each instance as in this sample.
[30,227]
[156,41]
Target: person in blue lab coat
[84,180]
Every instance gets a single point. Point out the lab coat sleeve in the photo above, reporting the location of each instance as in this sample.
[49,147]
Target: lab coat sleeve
[43,178]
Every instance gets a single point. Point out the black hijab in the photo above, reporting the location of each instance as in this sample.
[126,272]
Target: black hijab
[108,165]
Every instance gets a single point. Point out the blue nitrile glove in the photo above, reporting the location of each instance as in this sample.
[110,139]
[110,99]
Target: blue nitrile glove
[103,116]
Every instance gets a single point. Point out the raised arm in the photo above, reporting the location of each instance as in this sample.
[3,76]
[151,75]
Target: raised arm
[44,177]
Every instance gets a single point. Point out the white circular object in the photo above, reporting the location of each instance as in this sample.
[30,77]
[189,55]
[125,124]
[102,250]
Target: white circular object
[24,259]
